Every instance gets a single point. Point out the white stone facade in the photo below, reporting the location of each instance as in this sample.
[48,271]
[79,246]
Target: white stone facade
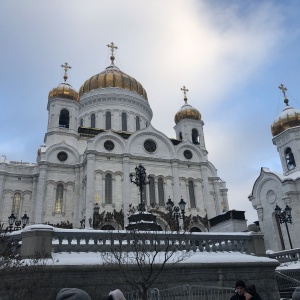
[272,188]
[80,179]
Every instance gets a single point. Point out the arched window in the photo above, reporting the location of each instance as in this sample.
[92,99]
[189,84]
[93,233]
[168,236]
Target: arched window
[81,122]
[152,190]
[16,204]
[108,120]
[64,118]
[180,135]
[93,121]
[59,198]
[161,194]
[290,160]
[124,121]
[195,136]
[108,189]
[137,123]
[192,194]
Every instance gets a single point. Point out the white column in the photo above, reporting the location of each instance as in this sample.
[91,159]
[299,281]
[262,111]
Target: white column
[176,190]
[41,189]
[126,187]
[2,182]
[90,185]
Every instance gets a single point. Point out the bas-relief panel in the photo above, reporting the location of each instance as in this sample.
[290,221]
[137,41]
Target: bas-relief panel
[270,193]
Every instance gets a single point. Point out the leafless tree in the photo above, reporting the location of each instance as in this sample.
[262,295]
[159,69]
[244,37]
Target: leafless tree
[143,256]
[19,278]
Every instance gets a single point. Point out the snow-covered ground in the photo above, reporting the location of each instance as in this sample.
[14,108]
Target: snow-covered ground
[92,258]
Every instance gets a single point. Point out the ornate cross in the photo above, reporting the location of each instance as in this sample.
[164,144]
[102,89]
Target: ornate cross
[185,90]
[112,47]
[284,89]
[66,67]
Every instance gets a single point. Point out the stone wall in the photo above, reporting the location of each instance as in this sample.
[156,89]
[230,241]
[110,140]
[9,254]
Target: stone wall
[99,280]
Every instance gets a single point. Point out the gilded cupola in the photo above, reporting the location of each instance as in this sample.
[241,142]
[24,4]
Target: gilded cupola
[288,118]
[186,111]
[113,77]
[64,90]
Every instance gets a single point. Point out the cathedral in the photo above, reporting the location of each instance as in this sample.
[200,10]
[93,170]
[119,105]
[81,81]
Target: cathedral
[95,139]
[276,196]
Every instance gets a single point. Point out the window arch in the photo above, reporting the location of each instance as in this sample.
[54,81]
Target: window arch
[161,193]
[59,198]
[16,204]
[108,189]
[124,121]
[64,118]
[137,123]
[108,120]
[192,194]
[93,121]
[195,136]
[290,160]
[152,190]
[81,122]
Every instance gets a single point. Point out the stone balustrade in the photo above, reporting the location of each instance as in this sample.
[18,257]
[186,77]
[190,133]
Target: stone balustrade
[286,255]
[44,240]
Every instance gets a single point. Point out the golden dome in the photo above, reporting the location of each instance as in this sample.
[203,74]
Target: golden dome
[113,77]
[64,90]
[288,118]
[187,112]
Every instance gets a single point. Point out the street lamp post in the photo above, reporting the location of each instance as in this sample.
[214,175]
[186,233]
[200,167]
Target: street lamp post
[140,180]
[178,212]
[285,217]
[16,224]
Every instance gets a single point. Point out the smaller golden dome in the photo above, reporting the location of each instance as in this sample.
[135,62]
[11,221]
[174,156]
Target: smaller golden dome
[187,111]
[64,90]
[288,118]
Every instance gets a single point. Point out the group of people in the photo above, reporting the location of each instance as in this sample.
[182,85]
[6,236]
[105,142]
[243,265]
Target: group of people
[78,294]
[243,292]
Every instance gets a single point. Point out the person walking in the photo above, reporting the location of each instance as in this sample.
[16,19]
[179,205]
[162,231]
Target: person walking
[250,293]
[239,290]
[72,294]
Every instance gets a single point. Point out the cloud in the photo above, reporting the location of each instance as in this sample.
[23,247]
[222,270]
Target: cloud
[223,51]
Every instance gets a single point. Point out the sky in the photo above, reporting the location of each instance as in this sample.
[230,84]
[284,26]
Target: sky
[232,55]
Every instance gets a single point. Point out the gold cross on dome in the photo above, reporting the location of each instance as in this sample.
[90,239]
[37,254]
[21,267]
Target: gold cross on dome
[185,90]
[284,89]
[66,67]
[112,47]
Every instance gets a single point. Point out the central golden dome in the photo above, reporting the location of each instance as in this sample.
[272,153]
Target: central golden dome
[113,77]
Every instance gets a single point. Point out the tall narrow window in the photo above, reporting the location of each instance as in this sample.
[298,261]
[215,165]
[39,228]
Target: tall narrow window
[81,122]
[64,118]
[59,198]
[137,123]
[290,160]
[108,189]
[192,194]
[16,204]
[180,135]
[195,136]
[108,120]
[152,190]
[161,194]
[93,121]
[124,121]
